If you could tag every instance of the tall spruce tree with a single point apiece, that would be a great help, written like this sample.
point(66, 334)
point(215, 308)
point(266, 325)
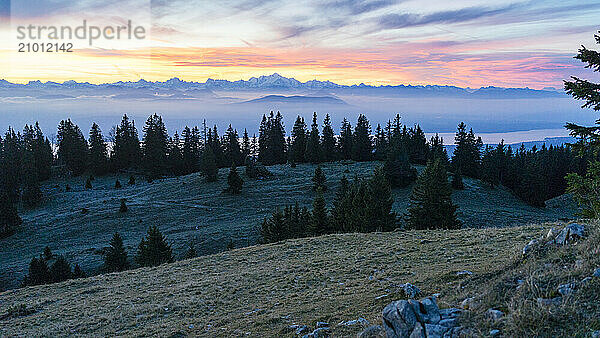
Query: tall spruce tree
point(319, 180)
point(98, 151)
point(246, 146)
point(39, 273)
point(233, 152)
point(10, 165)
point(209, 165)
point(585, 188)
point(115, 256)
point(398, 169)
point(328, 150)
point(9, 218)
point(431, 204)
point(467, 155)
point(298, 141)
point(191, 150)
point(313, 144)
point(126, 151)
point(319, 224)
point(72, 147)
point(379, 203)
point(155, 146)
point(154, 249)
point(361, 143)
point(60, 270)
point(175, 156)
point(346, 140)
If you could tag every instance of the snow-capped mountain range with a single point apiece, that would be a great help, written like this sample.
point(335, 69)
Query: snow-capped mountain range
point(276, 81)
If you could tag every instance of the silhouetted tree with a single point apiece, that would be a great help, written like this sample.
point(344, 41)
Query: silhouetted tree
point(154, 249)
point(98, 151)
point(9, 218)
point(431, 204)
point(115, 256)
point(298, 141)
point(313, 144)
point(345, 144)
point(467, 155)
point(319, 224)
point(361, 143)
point(72, 147)
point(234, 181)
point(319, 180)
point(126, 152)
point(38, 272)
point(155, 146)
point(209, 165)
point(60, 270)
point(123, 207)
point(398, 170)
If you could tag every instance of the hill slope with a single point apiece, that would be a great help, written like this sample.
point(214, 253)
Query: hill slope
point(262, 290)
point(189, 209)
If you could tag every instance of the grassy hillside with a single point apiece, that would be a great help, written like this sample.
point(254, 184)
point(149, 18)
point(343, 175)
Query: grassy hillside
point(189, 209)
point(261, 290)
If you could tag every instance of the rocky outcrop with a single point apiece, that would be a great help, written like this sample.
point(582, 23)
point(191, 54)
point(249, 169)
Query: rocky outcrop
point(419, 319)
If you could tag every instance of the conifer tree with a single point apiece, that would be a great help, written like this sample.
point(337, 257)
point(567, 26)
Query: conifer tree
point(98, 151)
point(190, 252)
point(381, 146)
point(379, 203)
point(246, 146)
point(457, 181)
point(209, 165)
point(582, 89)
point(273, 229)
point(154, 249)
point(234, 181)
point(131, 180)
point(417, 146)
point(319, 224)
point(328, 150)
point(341, 206)
point(123, 207)
point(155, 146)
point(319, 180)
point(361, 143)
point(32, 194)
point(47, 254)
point(437, 149)
point(191, 150)
point(346, 140)
point(467, 155)
point(88, 183)
point(10, 165)
point(115, 256)
point(233, 152)
point(78, 272)
point(313, 144)
point(117, 184)
point(397, 168)
point(39, 273)
point(175, 156)
point(298, 141)
point(126, 152)
point(9, 218)
point(431, 204)
point(60, 270)
point(72, 147)
point(585, 188)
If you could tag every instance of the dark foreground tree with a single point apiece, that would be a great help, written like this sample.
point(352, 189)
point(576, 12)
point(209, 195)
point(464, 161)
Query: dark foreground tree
point(209, 165)
point(586, 189)
point(234, 181)
point(154, 249)
point(78, 272)
point(38, 272)
point(60, 270)
point(115, 256)
point(319, 224)
point(398, 170)
point(319, 180)
point(431, 204)
point(9, 218)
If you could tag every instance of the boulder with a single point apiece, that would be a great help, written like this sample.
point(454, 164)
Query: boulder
point(570, 233)
point(436, 331)
point(410, 290)
point(450, 313)
point(530, 246)
point(418, 332)
point(495, 314)
point(494, 332)
point(597, 273)
point(399, 319)
point(566, 289)
point(426, 310)
point(450, 322)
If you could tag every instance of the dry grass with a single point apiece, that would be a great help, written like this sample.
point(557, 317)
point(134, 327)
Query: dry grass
point(577, 315)
point(261, 290)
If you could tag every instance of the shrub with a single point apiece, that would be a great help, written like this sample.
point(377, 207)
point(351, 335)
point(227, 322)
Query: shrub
point(60, 270)
point(319, 179)
point(123, 207)
point(117, 184)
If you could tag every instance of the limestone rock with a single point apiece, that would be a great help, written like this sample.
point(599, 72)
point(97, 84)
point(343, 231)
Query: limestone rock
point(570, 233)
point(566, 289)
point(495, 314)
point(549, 302)
point(399, 319)
point(530, 246)
point(418, 332)
point(597, 273)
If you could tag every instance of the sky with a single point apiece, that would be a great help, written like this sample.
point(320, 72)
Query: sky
point(464, 43)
